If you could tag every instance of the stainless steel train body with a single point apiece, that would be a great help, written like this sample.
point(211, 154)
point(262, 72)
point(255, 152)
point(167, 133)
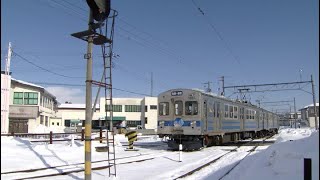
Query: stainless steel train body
point(197, 119)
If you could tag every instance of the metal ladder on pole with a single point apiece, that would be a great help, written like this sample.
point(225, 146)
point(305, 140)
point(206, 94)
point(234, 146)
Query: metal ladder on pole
point(111, 154)
point(108, 100)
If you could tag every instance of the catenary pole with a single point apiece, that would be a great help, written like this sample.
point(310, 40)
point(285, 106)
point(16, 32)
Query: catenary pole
point(314, 104)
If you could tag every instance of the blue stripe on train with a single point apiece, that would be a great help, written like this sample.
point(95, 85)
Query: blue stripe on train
point(230, 127)
point(185, 123)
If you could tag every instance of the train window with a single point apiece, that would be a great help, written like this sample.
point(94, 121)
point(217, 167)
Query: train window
point(164, 109)
point(235, 112)
point(191, 108)
point(226, 112)
point(178, 108)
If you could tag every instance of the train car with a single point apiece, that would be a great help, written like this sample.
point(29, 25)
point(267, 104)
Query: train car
point(197, 119)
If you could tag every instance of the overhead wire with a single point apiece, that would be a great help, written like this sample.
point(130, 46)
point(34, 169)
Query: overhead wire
point(40, 67)
point(83, 85)
point(213, 27)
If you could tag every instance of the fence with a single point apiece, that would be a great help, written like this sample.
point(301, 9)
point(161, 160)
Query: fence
point(51, 137)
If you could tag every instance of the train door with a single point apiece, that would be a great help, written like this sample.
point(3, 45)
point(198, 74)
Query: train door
point(241, 117)
point(178, 109)
point(205, 113)
point(219, 116)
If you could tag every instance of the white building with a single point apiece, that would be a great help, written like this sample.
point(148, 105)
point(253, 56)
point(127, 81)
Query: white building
point(307, 114)
point(127, 112)
point(29, 106)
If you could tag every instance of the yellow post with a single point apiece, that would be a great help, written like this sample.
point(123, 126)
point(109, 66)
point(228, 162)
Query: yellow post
point(132, 136)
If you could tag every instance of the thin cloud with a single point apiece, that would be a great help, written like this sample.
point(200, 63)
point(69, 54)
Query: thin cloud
point(63, 94)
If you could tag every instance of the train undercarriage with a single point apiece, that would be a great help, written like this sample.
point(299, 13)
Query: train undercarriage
point(194, 142)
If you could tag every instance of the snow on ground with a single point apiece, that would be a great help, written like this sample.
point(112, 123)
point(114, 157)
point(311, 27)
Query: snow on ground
point(282, 160)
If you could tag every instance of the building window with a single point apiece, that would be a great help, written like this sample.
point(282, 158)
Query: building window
point(57, 124)
point(67, 123)
point(116, 108)
point(153, 106)
point(41, 119)
point(30, 98)
point(133, 123)
point(133, 108)
point(18, 98)
point(146, 120)
point(46, 121)
point(145, 108)
point(52, 123)
point(41, 100)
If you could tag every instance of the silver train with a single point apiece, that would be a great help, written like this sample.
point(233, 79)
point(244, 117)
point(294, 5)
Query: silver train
point(197, 119)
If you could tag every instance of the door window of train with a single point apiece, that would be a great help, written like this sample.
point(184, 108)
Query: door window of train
point(235, 112)
point(191, 107)
point(226, 111)
point(214, 109)
point(164, 109)
point(231, 111)
point(247, 114)
point(218, 109)
point(178, 108)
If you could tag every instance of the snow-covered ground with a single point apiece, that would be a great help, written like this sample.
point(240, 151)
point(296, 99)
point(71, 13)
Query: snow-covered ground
point(282, 160)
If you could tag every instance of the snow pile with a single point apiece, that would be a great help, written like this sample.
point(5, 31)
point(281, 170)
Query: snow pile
point(282, 160)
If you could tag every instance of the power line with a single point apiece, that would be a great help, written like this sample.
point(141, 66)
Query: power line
point(83, 85)
point(217, 32)
point(47, 70)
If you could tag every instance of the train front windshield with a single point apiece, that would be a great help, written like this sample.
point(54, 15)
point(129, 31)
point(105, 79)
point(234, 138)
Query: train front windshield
point(191, 108)
point(164, 109)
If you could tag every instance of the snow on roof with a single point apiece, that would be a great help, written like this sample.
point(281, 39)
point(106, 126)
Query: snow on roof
point(77, 106)
point(311, 105)
point(34, 85)
point(26, 83)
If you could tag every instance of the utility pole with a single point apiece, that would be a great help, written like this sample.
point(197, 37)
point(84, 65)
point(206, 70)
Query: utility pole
point(295, 113)
point(259, 102)
point(8, 60)
point(222, 79)
point(151, 84)
point(314, 103)
point(99, 11)
point(5, 93)
point(88, 113)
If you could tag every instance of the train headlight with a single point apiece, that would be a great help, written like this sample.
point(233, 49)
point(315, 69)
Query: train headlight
point(161, 123)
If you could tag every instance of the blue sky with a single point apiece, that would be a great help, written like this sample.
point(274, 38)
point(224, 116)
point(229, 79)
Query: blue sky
point(254, 42)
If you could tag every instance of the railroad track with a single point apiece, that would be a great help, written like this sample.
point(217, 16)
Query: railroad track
point(74, 168)
point(257, 144)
